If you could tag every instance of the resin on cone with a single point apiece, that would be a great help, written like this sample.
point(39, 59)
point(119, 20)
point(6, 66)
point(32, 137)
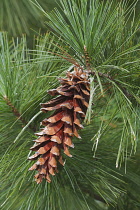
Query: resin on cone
point(69, 105)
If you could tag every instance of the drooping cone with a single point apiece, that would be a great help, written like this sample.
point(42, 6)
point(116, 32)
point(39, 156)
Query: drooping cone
point(69, 109)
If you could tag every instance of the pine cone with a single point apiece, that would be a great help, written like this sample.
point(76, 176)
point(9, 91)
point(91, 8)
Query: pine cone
point(69, 108)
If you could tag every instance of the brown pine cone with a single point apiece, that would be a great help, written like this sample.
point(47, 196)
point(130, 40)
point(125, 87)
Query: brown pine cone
point(69, 108)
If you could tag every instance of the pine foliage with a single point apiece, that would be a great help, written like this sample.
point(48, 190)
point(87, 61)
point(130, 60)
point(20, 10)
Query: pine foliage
point(102, 174)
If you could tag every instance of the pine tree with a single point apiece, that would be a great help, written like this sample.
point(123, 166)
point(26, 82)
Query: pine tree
point(98, 38)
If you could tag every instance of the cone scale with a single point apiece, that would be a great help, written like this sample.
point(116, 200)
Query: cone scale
point(69, 105)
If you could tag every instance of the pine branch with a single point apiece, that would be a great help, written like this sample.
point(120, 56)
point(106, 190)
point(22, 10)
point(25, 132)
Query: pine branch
point(17, 114)
point(87, 59)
